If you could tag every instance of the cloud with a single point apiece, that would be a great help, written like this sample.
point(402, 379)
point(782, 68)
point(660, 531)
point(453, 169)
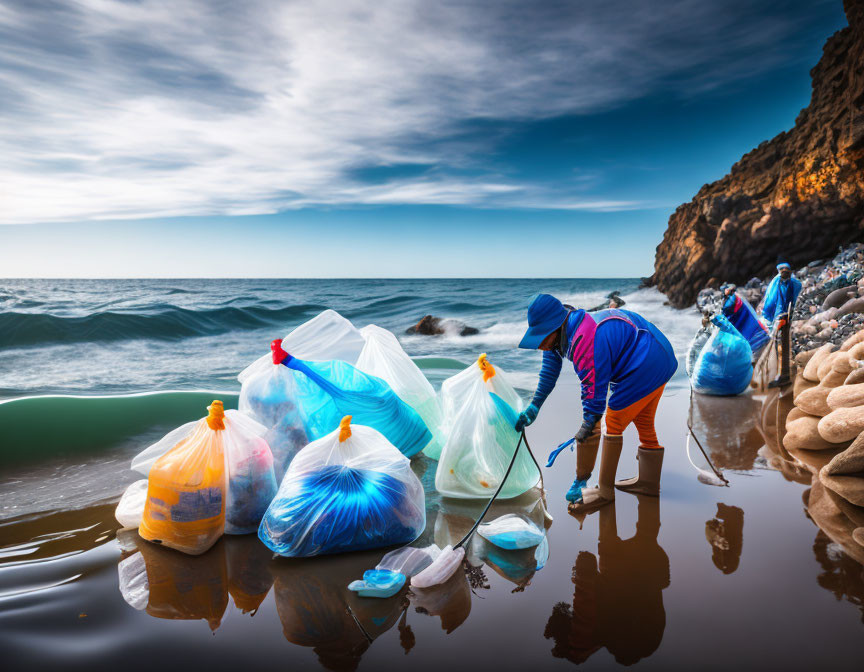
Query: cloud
point(154, 108)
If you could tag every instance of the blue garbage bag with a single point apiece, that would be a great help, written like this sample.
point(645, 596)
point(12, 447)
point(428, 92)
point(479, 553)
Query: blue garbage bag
point(328, 391)
point(350, 490)
point(720, 364)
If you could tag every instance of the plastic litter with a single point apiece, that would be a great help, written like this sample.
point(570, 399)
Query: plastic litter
point(512, 531)
point(326, 336)
point(268, 394)
point(328, 391)
point(441, 569)
point(378, 583)
point(723, 363)
point(131, 506)
point(217, 478)
point(409, 560)
point(480, 408)
point(350, 490)
point(383, 356)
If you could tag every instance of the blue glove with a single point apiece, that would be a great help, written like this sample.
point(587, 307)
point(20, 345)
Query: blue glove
point(526, 417)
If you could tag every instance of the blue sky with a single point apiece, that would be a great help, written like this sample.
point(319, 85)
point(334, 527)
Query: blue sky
point(389, 139)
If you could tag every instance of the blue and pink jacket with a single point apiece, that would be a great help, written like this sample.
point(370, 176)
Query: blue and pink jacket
point(743, 318)
point(613, 349)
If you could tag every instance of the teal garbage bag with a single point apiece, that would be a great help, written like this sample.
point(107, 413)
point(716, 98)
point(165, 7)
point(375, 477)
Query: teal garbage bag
point(328, 391)
point(722, 364)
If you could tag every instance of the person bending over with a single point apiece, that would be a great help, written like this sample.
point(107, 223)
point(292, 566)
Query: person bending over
point(611, 349)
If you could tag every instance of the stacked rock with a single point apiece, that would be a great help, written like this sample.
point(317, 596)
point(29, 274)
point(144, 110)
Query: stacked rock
point(825, 431)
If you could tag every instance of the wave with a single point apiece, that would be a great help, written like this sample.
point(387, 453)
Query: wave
point(164, 323)
point(35, 428)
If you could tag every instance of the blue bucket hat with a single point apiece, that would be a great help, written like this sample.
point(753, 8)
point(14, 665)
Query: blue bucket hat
point(545, 315)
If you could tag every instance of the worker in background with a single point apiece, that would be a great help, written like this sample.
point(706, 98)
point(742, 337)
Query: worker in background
point(611, 349)
point(742, 316)
point(777, 310)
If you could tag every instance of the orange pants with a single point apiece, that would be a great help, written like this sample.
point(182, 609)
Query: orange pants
point(641, 413)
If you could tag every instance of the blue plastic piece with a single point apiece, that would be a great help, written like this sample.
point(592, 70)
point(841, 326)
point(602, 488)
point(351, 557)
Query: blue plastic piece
point(328, 391)
point(723, 366)
point(554, 454)
point(574, 494)
point(337, 509)
point(378, 583)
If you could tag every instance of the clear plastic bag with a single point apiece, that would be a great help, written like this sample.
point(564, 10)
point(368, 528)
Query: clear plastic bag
point(383, 356)
point(326, 336)
point(268, 394)
point(350, 490)
point(480, 410)
point(131, 506)
point(441, 569)
point(512, 531)
point(409, 560)
point(723, 365)
point(328, 391)
point(217, 478)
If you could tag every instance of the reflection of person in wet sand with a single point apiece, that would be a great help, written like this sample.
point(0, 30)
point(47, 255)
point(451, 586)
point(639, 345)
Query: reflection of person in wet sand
point(725, 534)
point(618, 596)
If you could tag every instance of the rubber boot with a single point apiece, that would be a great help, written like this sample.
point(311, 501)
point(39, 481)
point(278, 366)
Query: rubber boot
point(648, 480)
point(586, 457)
point(594, 498)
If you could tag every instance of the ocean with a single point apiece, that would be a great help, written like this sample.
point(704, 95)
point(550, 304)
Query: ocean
point(110, 337)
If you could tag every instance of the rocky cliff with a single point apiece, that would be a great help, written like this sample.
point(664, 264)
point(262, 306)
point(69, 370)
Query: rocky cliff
point(800, 194)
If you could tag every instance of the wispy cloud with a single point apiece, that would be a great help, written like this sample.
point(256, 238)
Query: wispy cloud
point(148, 108)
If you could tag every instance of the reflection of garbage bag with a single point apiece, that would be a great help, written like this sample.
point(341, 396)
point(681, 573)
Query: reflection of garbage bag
point(188, 504)
point(516, 565)
point(348, 491)
point(384, 357)
point(451, 601)
point(326, 336)
point(480, 408)
point(249, 578)
point(313, 603)
point(722, 365)
point(268, 394)
point(174, 586)
point(328, 391)
point(725, 534)
point(728, 429)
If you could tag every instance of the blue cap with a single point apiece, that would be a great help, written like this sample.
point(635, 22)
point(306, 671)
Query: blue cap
point(782, 265)
point(545, 315)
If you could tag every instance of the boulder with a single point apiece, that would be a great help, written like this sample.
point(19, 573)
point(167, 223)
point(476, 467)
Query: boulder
point(856, 352)
point(800, 384)
point(855, 376)
point(846, 396)
point(851, 306)
point(826, 365)
point(858, 536)
point(842, 424)
point(832, 521)
point(430, 325)
point(814, 401)
point(844, 474)
point(816, 360)
point(794, 414)
point(803, 357)
point(840, 296)
point(854, 339)
point(842, 363)
point(803, 434)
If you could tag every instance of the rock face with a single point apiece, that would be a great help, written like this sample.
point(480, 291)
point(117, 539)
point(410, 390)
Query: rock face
point(800, 194)
point(430, 325)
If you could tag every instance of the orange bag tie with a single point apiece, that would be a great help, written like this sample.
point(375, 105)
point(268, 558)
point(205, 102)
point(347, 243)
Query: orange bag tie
point(216, 417)
point(345, 429)
point(487, 369)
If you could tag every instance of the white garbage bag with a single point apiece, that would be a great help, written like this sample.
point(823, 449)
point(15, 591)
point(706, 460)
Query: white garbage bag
point(480, 410)
point(131, 506)
point(326, 336)
point(512, 531)
point(383, 356)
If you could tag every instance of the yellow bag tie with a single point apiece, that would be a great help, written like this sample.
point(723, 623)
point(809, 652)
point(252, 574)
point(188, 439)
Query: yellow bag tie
point(345, 429)
point(216, 417)
point(487, 369)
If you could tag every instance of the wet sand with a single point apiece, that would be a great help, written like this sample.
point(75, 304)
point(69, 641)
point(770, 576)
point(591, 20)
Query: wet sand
point(706, 577)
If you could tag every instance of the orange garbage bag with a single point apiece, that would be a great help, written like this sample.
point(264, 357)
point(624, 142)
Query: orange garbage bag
point(185, 506)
